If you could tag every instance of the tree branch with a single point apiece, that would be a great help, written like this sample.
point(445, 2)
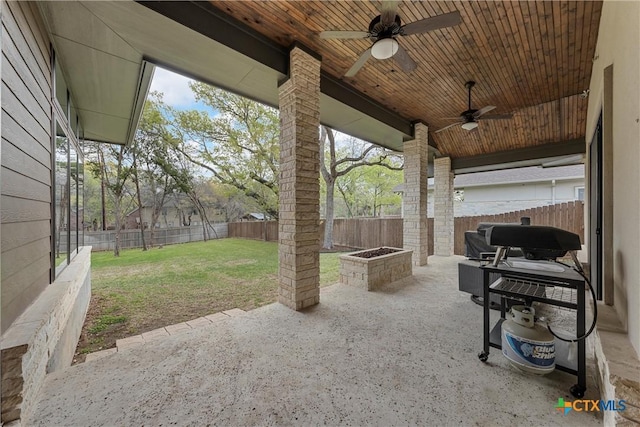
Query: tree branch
point(323, 166)
point(356, 159)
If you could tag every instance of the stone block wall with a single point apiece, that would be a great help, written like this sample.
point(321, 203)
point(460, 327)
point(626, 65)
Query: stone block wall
point(617, 370)
point(43, 339)
point(299, 222)
point(414, 199)
point(443, 220)
point(372, 273)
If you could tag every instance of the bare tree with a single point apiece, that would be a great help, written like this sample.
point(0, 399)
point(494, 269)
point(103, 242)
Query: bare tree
point(332, 168)
point(112, 165)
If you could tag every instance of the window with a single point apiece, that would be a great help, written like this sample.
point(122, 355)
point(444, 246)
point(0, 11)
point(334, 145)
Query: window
point(67, 176)
point(61, 203)
point(61, 94)
point(73, 199)
point(73, 119)
point(579, 191)
point(81, 224)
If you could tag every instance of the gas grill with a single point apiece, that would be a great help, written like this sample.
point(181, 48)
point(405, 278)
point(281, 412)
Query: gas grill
point(537, 278)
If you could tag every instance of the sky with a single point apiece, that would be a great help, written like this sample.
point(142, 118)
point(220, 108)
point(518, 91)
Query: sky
point(176, 90)
point(177, 94)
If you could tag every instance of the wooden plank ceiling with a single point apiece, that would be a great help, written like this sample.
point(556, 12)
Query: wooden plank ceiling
point(529, 58)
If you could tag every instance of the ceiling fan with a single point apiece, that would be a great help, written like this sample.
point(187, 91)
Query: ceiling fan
point(469, 118)
point(384, 30)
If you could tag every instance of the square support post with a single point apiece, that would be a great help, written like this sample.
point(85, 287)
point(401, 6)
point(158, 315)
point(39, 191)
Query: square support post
point(299, 215)
point(443, 223)
point(414, 199)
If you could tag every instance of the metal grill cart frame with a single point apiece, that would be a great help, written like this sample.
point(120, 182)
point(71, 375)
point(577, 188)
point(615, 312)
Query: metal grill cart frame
point(561, 289)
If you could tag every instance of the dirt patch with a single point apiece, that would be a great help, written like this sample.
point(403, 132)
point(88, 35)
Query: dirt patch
point(92, 339)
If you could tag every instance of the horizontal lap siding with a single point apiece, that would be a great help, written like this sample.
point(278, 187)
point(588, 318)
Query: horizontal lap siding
point(25, 200)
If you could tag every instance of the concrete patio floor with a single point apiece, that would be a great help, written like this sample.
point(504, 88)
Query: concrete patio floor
point(406, 355)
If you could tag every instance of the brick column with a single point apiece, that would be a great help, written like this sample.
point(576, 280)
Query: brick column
point(299, 216)
point(414, 200)
point(443, 207)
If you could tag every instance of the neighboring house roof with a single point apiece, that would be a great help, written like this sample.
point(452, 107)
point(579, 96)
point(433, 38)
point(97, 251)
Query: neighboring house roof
point(512, 176)
point(255, 215)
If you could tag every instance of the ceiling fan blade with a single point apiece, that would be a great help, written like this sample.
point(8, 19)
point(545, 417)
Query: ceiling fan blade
point(359, 63)
point(447, 127)
point(403, 59)
point(433, 23)
point(484, 110)
point(388, 11)
point(497, 117)
point(344, 34)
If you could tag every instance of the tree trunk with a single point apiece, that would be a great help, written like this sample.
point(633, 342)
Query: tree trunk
point(116, 208)
point(203, 215)
point(328, 224)
point(135, 176)
point(155, 214)
point(102, 189)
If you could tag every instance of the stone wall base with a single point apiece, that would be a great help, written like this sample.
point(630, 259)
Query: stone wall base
point(618, 368)
point(44, 338)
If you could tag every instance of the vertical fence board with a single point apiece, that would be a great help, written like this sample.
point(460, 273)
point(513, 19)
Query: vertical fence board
point(375, 232)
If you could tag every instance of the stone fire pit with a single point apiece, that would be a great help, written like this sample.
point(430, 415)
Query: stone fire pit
point(371, 268)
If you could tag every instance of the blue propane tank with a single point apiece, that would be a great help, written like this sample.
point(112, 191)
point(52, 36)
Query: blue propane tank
point(528, 346)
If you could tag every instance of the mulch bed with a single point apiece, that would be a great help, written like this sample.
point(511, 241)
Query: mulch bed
point(375, 252)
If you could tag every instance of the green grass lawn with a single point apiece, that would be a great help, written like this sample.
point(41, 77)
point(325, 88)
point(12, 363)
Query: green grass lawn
point(141, 291)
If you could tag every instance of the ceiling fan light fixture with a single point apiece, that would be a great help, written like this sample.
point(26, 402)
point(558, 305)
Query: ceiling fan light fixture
point(470, 125)
point(384, 48)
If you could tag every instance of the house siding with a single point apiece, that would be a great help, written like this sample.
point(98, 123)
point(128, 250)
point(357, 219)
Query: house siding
point(496, 199)
point(618, 47)
point(25, 172)
point(40, 320)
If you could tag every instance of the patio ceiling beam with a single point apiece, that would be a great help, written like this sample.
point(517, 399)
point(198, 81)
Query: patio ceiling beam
point(205, 19)
point(347, 94)
point(545, 151)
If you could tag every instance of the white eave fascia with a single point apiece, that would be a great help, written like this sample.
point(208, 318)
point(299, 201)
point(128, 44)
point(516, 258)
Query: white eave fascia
point(144, 83)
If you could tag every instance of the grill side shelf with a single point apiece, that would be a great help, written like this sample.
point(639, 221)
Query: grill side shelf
point(518, 288)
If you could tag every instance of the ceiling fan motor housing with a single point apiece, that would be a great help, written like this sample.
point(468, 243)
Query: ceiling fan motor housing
point(468, 115)
point(380, 31)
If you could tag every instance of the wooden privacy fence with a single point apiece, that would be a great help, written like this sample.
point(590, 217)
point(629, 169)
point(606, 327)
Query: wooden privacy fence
point(350, 232)
point(567, 216)
point(374, 232)
point(366, 232)
point(255, 230)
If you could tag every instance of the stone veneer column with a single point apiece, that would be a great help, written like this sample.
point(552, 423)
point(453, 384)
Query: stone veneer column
point(299, 216)
point(414, 200)
point(443, 207)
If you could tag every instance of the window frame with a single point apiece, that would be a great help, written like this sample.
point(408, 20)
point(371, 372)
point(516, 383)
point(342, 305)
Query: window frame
point(71, 125)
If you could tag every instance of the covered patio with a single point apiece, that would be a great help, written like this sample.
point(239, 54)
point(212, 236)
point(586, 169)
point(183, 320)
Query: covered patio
point(339, 355)
point(404, 355)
